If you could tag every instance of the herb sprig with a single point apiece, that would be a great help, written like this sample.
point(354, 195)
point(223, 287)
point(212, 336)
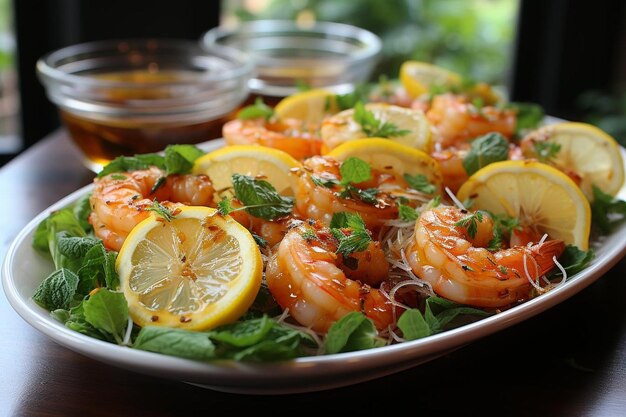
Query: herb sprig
point(374, 127)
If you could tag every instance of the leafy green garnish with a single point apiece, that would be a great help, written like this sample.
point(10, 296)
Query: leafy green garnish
point(374, 127)
point(368, 195)
point(349, 100)
point(353, 331)
point(107, 311)
point(323, 182)
point(57, 290)
point(407, 213)
point(420, 183)
point(573, 260)
point(529, 115)
point(161, 210)
point(503, 225)
point(546, 150)
point(256, 111)
point(354, 170)
point(175, 342)
point(492, 147)
point(606, 212)
point(256, 339)
point(177, 159)
point(47, 233)
point(470, 223)
point(225, 207)
point(349, 229)
point(260, 198)
point(438, 314)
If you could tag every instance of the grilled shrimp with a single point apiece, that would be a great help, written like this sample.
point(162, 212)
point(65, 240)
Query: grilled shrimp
point(455, 119)
point(459, 267)
point(320, 202)
point(119, 201)
point(308, 277)
point(296, 137)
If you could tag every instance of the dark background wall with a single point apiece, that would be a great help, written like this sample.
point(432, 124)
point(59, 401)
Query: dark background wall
point(45, 25)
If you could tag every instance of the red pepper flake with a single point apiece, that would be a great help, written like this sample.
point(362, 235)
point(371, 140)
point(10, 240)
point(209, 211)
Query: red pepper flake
point(154, 318)
point(184, 319)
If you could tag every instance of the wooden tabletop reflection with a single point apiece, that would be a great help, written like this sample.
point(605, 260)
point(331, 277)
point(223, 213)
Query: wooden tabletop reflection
point(570, 360)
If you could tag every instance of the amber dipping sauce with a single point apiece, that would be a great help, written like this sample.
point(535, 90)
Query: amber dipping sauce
point(103, 137)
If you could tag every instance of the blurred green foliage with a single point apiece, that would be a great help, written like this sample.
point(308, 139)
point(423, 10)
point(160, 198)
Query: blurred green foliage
point(606, 111)
point(471, 37)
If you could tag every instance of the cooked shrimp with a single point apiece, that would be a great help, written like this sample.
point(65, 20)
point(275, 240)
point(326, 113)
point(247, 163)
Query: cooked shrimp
point(296, 137)
point(451, 162)
point(460, 268)
point(455, 119)
point(308, 277)
point(119, 200)
point(273, 231)
point(320, 202)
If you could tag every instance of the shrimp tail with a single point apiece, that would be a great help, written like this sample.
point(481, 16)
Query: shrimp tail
point(546, 252)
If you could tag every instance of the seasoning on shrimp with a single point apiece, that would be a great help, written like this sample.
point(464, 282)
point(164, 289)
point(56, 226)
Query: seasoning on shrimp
point(120, 201)
point(448, 250)
point(307, 276)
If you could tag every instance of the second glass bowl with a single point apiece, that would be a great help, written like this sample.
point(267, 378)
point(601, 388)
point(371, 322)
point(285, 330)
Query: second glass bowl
point(287, 54)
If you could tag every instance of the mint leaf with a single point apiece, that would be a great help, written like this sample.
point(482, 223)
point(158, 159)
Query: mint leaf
point(407, 213)
point(546, 150)
point(161, 210)
point(413, 325)
point(529, 115)
point(256, 111)
point(225, 207)
point(76, 321)
point(573, 260)
point(354, 170)
point(354, 331)
point(487, 149)
point(132, 163)
point(260, 198)
point(243, 333)
point(349, 230)
point(175, 342)
point(179, 159)
point(280, 343)
point(374, 127)
point(57, 290)
point(82, 210)
point(420, 183)
point(349, 101)
point(107, 311)
point(97, 270)
point(606, 212)
point(470, 223)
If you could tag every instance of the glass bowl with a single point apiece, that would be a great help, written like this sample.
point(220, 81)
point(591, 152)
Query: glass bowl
point(287, 54)
point(122, 97)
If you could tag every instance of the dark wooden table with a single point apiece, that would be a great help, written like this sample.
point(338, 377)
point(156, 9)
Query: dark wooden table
point(568, 361)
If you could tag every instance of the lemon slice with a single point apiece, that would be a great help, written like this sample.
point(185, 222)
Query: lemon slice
point(586, 152)
point(537, 194)
point(418, 77)
point(342, 127)
point(386, 155)
point(311, 106)
point(270, 164)
point(197, 271)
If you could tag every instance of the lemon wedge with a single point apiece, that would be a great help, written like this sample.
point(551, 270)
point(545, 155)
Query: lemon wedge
point(386, 155)
point(196, 271)
point(342, 127)
point(583, 151)
point(270, 164)
point(535, 193)
point(418, 77)
point(311, 106)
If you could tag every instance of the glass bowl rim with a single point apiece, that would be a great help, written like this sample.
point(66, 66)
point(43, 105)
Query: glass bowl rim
point(46, 68)
point(371, 41)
